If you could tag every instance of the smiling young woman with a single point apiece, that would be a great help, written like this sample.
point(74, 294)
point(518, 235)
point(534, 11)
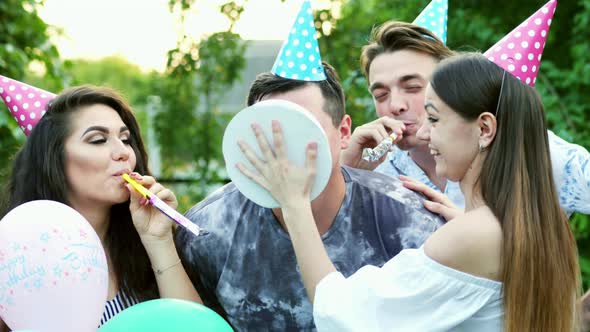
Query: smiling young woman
point(75, 155)
point(509, 263)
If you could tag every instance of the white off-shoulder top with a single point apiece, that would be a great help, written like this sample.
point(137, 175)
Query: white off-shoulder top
point(411, 292)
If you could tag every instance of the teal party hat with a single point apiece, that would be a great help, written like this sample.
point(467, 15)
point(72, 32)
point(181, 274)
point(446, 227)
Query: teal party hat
point(299, 58)
point(434, 18)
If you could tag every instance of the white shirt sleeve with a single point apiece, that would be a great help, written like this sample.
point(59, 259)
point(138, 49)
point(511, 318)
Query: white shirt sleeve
point(571, 172)
point(411, 292)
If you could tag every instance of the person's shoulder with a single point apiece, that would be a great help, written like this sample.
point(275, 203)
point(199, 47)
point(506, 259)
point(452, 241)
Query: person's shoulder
point(219, 215)
point(471, 243)
point(221, 211)
point(386, 167)
point(560, 147)
point(224, 196)
point(384, 187)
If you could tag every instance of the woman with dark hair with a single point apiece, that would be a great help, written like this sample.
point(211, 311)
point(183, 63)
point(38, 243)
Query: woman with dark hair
point(75, 155)
point(508, 263)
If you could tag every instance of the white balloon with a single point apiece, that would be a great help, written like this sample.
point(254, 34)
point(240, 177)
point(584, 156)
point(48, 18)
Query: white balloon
point(53, 269)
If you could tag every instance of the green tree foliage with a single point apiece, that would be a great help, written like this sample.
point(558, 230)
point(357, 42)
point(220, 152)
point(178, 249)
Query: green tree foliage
point(114, 72)
point(117, 73)
point(190, 126)
point(24, 39)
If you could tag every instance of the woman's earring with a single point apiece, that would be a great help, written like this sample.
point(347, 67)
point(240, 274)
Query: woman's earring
point(481, 147)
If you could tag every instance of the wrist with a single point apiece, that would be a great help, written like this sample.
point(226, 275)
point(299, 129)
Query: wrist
point(296, 206)
point(159, 270)
point(164, 261)
point(157, 241)
point(299, 217)
point(160, 248)
point(352, 157)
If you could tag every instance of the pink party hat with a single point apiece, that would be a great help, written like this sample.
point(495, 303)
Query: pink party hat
point(520, 51)
point(26, 103)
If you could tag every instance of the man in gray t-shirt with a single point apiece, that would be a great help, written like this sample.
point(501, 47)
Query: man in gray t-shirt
point(246, 267)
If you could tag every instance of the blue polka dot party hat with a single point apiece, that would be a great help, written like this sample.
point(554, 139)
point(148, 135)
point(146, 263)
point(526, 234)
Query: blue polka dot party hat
point(434, 18)
point(299, 58)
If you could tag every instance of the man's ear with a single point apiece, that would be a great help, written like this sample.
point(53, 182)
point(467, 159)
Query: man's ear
point(345, 131)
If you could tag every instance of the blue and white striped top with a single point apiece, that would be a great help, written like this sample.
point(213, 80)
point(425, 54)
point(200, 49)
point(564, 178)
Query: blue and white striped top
point(116, 305)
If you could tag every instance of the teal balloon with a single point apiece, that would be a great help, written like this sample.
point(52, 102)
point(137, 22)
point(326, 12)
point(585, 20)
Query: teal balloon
point(169, 315)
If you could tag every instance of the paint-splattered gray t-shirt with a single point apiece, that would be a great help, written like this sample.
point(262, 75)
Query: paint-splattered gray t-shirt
point(247, 264)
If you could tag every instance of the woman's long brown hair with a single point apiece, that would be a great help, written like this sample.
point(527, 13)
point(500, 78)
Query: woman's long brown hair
point(39, 173)
point(539, 267)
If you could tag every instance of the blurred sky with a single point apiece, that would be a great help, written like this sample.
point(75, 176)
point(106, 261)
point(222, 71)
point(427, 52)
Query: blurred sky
point(142, 31)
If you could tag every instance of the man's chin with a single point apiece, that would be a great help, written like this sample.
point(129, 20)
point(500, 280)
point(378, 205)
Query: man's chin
point(402, 146)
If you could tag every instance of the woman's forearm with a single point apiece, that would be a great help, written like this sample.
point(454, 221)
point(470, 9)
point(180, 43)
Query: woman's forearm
point(172, 279)
point(311, 254)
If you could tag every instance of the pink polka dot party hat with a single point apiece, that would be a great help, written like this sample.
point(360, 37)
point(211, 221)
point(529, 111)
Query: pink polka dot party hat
point(520, 51)
point(26, 103)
